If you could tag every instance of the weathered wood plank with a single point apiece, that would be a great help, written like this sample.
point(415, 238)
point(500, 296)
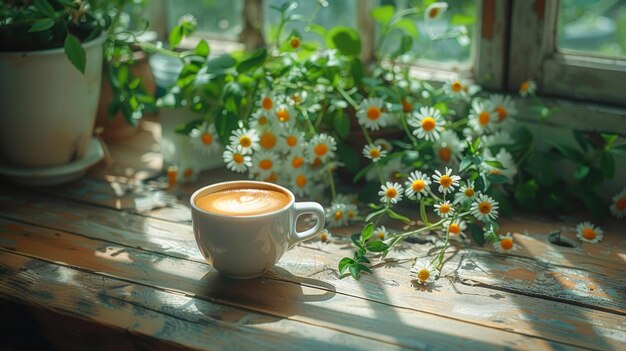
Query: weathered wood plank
point(122, 315)
point(314, 302)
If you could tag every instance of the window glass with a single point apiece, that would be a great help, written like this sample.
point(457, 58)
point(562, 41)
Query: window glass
point(218, 18)
point(444, 36)
point(592, 26)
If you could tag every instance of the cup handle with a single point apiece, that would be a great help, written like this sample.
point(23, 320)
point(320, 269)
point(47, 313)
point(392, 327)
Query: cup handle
point(300, 208)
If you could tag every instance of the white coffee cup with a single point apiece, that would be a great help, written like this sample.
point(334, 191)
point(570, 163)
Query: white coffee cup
point(245, 247)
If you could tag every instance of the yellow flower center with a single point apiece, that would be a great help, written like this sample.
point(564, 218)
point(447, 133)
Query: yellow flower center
point(316, 163)
point(320, 149)
point(506, 243)
point(267, 103)
point(207, 139)
point(324, 237)
point(423, 274)
point(295, 42)
point(350, 214)
point(373, 113)
point(444, 208)
point(268, 140)
point(445, 153)
point(301, 180)
point(283, 115)
point(391, 193)
point(406, 106)
point(502, 113)
point(374, 153)
point(418, 185)
point(238, 158)
point(262, 120)
point(296, 99)
point(454, 229)
point(381, 235)
point(445, 181)
point(524, 86)
point(188, 172)
point(338, 215)
point(469, 192)
point(456, 86)
point(292, 140)
point(589, 233)
point(428, 124)
point(484, 207)
point(495, 171)
point(245, 141)
point(621, 204)
point(433, 12)
point(272, 178)
point(297, 162)
point(483, 118)
point(266, 164)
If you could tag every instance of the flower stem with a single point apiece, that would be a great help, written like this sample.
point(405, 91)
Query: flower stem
point(332, 184)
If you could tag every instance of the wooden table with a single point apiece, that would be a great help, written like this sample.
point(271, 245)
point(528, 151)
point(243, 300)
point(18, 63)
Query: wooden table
point(110, 262)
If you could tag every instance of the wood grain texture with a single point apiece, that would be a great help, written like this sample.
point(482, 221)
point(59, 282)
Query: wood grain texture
point(78, 310)
point(313, 302)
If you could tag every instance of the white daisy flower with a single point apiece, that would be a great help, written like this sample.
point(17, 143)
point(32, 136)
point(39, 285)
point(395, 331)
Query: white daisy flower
point(435, 10)
point(392, 168)
point(390, 192)
point(247, 139)
point(589, 233)
point(380, 233)
point(618, 207)
point(509, 168)
point(428, 123)
point(447, 182)
point(268, 138)
point(374, 152)
point(371, 114)
point(263, 164)
point(384, 145)
point(444, 209)
point(237, 159)
point(455, 228)
point(268, 102)
point(352, 211)
point(481, 117)
point(449, 147)
point(505, 243)
point(503, 106)
point(187, 172)
point(498, 138)
point(323, 146)
point(466, 193)
point(337, 215)
point(205, 139)
point(297, 98)
point(325, 236)
point(295, 161)
point(456, 88)
point(484, 208)
point(188, 19)
point(291, 139)
point(528, 87)
point(417, 185)
point(272, 177)
point(301, 183)
point(285, 116)
point(424, 271)
point(260, 120)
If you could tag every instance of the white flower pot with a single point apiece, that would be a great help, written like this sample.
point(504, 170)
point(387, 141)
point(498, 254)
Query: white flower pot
point(48, 106)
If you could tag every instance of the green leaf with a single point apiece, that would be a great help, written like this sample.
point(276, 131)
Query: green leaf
point(406, 43)
point(608, 165)
point(316, 28)
point(409, 27)
point(225, 123)
point(477, 234)
point(122, 75)
point(41, 25)
point(186, 128)
point(44, 7)
point(75, 52)
point(398, 216)
point(344, 264)
point(175, 36)
point(202, 48)
point(356, 240)
point(367, 232)
point(581, 172)
point(364, 268)
point(374, 214)
point(569, 152)
point(383, 14)
point(462, 20)
point(466, 162)
point(496, 164)
point(220, 63)
point(581, 140)
point(497, 178)
point(442, 107)
point(609, 138)
point(341, 122)
point(618, 150)
point(345, 39)
point(376, 246)
point(355, 271)
point(254, 61)
point(350, 158)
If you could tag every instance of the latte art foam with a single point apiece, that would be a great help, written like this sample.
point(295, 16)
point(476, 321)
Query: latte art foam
point(243, 202)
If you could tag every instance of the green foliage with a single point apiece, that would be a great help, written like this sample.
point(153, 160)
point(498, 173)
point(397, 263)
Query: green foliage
point(75, 52)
